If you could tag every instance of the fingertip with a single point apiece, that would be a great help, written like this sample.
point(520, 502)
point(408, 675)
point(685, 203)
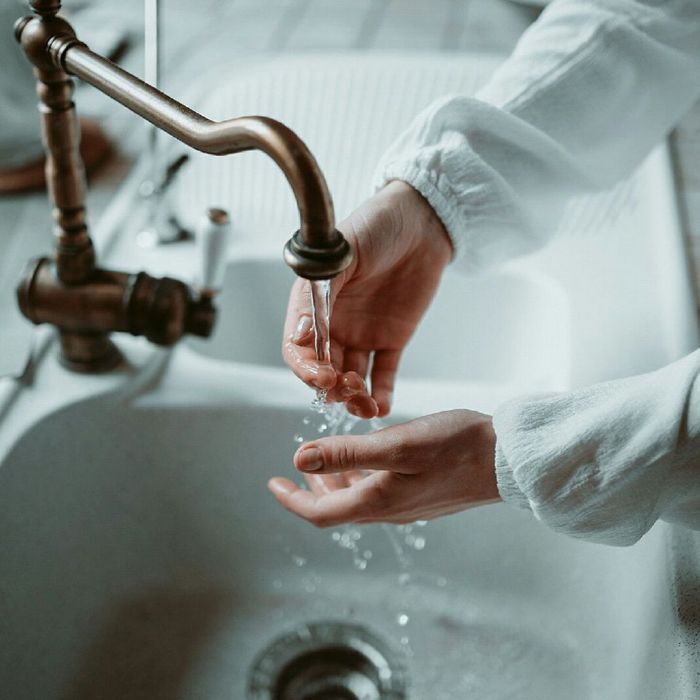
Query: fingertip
point(363, 407)
point(280, 487)
point(352, 382)
point(326, 377)
point(384, 401)
point(303, 363)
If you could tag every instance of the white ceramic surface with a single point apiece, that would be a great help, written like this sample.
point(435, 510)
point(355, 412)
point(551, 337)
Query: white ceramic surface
point(141, 556)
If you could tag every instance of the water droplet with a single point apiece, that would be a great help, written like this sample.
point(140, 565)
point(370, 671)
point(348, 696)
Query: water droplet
point(335, 536)
point(419, 543)
point(318, 405)
point(299, 561)
point(367, 554)
point(306, 420)
point(322, 428)
point(298, 439)
point(361, 564)
point(405, 641)
point(402, 619)
point(404, 578)
point(421, 523)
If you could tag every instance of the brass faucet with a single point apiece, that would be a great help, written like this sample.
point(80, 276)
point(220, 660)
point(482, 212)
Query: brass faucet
point(87, 303)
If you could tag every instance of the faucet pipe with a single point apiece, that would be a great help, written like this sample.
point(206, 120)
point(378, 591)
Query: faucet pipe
point(317, 250)
point(87, 303)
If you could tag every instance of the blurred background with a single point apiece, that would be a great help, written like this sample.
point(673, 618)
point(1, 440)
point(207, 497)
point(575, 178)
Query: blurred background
point(198, 39)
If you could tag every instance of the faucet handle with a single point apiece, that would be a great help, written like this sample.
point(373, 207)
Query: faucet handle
point(213, 236)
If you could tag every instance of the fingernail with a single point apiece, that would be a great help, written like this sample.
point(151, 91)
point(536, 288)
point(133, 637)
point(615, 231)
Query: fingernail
point(310, 459)
point(302, 329)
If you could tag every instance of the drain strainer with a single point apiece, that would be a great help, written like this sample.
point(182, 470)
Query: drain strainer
point(328, 661)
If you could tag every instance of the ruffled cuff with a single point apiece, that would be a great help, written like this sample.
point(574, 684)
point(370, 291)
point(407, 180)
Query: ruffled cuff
point(481, 169)
point(481, 237)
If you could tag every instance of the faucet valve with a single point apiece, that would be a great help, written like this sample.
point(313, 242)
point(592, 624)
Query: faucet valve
point(213, 235)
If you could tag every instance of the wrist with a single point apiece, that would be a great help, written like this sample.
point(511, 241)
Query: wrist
point(486, 459)
point(416, 212)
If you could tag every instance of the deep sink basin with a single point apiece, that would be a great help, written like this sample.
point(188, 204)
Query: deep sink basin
point(143, 558)
point(513, 330)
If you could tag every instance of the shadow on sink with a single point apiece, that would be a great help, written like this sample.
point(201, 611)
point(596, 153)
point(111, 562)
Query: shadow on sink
point(147, 646)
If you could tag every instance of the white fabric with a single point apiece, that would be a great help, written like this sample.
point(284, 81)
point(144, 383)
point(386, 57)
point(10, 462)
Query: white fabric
point(589, 90)
point(605, 462)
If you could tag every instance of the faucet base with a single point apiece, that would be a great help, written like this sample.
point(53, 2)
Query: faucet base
point(88, 353)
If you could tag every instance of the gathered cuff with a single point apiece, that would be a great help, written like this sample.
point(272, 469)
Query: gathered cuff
point(479, 239)
point(421, 181)
point(507, 486)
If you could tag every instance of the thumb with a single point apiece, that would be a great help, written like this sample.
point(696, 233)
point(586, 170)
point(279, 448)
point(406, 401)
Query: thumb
point(382, 450)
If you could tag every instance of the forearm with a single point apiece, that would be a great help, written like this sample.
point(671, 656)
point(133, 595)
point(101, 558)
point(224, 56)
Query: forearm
point(589, 90)
point(605, 462)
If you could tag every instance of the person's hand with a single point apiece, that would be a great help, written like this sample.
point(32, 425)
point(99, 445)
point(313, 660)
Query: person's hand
point(432, 466)
point(400, 251)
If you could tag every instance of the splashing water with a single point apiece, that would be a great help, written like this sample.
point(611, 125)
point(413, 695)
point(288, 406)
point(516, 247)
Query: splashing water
point(333, 419)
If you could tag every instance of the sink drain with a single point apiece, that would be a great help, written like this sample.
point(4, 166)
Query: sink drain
point(327, 661)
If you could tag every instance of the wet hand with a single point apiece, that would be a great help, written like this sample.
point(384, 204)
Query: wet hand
point(400, 251)
point(432, 466)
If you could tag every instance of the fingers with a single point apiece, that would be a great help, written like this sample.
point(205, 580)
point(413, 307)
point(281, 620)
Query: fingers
point(326, 483)
point(380, 497)
point(298, 347)
point(380, 451)
point(353, 389)
point(384, 367)
point(350, 388)
point(356, 361)
point(300, 355)
point(369, 498)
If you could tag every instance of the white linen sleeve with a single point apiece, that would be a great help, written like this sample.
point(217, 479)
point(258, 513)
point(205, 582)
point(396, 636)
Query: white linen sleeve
point(588, 91)
point(605, 462)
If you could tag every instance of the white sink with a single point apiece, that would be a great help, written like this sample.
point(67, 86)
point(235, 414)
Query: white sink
point(144, 559)
point(141, 555)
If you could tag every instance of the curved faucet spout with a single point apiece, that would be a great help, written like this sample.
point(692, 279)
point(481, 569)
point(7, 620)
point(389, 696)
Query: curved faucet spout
point(87, 303)
point(318, 250)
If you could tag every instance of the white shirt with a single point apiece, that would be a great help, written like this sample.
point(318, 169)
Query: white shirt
point(592, 86)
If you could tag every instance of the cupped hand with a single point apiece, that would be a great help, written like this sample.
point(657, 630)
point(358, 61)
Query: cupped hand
point(432, 466)
point(400, 251)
